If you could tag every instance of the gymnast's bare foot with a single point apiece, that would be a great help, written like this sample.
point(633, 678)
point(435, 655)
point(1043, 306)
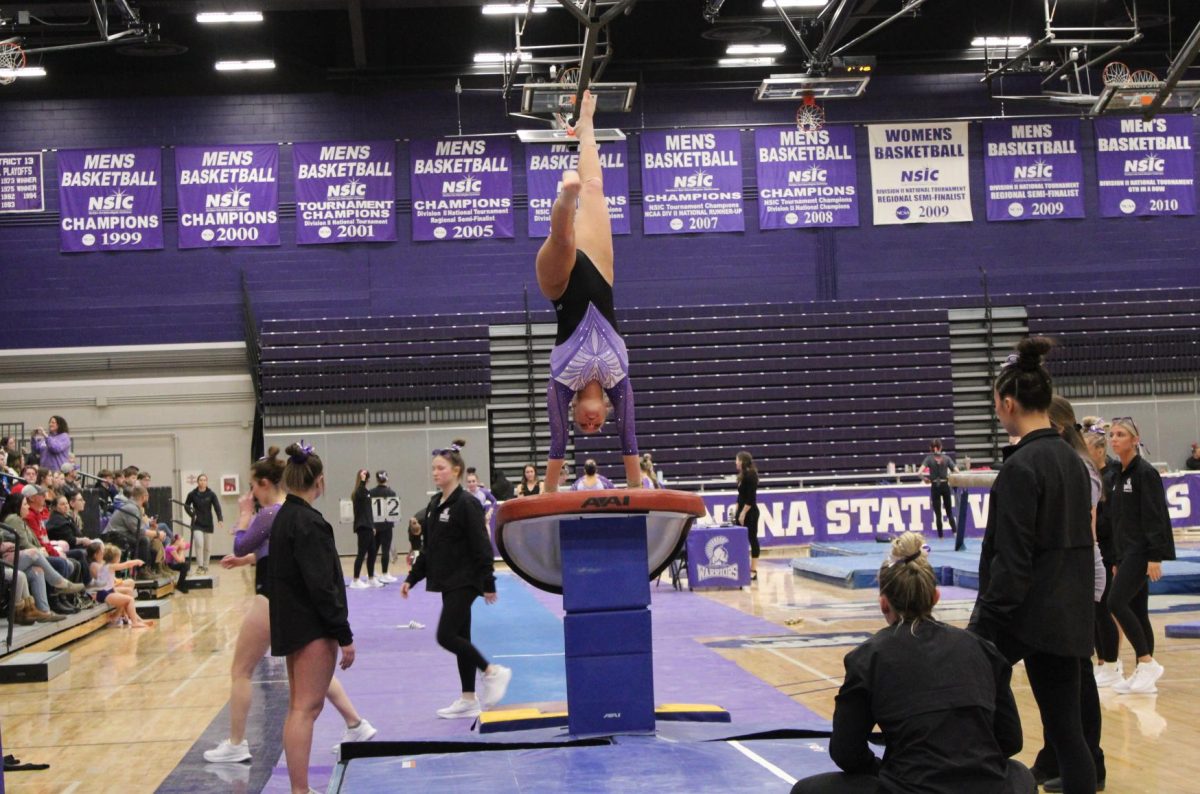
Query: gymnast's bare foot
point(587, 109)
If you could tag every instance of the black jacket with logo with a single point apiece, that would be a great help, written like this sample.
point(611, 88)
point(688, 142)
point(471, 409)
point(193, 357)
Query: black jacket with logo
point(457, 551)
point(1141, 523)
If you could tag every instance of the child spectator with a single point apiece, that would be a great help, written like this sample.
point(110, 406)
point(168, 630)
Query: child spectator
point(107, 589)
point(175, 558)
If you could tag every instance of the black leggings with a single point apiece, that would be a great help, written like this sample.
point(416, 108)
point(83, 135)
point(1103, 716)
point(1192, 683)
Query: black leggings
point(1089, 705)
point(85, 570)
point(454, 634)
point(940, 492)
point(1056, 688)
point(366, 549)
point(182, 568)
point(1108, 638)
point(1129, 600)
point(383, 546)
point(1020, 781)
point(752, 530)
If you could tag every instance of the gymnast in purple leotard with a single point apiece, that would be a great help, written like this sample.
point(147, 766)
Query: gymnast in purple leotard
point(589, 366)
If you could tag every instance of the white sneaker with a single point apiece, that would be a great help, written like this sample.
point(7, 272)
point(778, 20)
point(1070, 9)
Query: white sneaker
point(374, 582)
point(1109, 674)
point(493, 685)
point(359, 584)
point(363, 732)
point(228, 753)
point(412, 624)
point(387, 578)
point(1142, 680)
point(460, 709)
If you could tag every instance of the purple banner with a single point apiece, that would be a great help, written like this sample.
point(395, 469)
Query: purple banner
point(544, 166)
point(462, 189)
point(1033, 169)
point(1145, 167)
point(790, 517)
point(110, 199)
point(806, 179)
point(228, 195)
point(21, 186)
point(692, 182)
point(345, 192)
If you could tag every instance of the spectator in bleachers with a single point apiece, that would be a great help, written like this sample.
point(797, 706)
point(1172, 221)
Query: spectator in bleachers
point(134, 533)
point(1036, 575)
point(485, 497)
point(107, 589)
point(70, 484)
point(201, 503)
point(175, 558)
point(935, 470)
point(54, 448)
point(501, 488)
point(530, 485)
point(61, 529)
point(648, 457)
point(33, 605)
point(592, 479)
point(939, 737)
point(746, 512)
point(647, 468)
point(383, 529)
point(28, 552)
point(105, 490)
point(143, 479)
point(8, 445)
point(1193, 461)
point(35, 520)
point(364, 533)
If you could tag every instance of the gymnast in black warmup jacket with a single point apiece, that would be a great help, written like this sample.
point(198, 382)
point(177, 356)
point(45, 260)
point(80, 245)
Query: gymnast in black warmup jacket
point(940, 695)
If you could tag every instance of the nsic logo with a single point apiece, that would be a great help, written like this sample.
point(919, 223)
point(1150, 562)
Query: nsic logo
point(921, 175)
point(1150, 164)
point(1038, 170)
point(234, 198)
point(116, 202)
point(812, 175)
point(468, 186)
point(698, 179)
point(351, 189)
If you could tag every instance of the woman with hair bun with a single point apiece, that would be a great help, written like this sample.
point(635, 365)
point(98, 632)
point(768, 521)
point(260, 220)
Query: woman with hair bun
point(252, 546)
point(1036, 576)
point(309, 619)
point(457, 562)
point(943, 734)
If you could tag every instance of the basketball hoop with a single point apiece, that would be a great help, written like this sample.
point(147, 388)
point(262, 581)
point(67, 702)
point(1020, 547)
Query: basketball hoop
point(12, 59)
point(1143, 77)
point(810, 116)
point(1115, 72)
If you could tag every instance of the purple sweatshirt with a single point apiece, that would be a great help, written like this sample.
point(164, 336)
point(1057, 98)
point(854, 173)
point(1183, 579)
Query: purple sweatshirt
point(54, 450)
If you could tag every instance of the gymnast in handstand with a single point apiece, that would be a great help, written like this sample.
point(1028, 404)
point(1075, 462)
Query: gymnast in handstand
point(589, 366)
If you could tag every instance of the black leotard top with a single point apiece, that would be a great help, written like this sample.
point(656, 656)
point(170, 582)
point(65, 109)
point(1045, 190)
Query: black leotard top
point(586, 285)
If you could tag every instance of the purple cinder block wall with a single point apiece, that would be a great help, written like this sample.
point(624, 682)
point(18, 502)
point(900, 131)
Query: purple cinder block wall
point(195, 295)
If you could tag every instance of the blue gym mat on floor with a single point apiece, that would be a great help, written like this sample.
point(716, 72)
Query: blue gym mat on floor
point(623, 763)
point(1189, 631)
point(855, 564)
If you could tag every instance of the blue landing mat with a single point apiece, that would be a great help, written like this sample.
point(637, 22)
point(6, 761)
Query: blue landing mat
point(629, 763)
point(1178, 577)
point(856, 565)
point(1184, 630)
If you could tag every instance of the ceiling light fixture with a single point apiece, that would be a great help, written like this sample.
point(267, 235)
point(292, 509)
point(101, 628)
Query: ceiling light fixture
point(226, 17)
point(245, 66)
point(745, 61)
point(795, 3)
point(24, 71)
point(510, 9)
point(756, 49)
point(496, 57)
point(1001, 41)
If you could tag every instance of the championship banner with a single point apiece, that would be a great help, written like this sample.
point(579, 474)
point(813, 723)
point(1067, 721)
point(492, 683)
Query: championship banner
point(919, 173)
point(110, 199)
point(228, 195)
point(1033, 169)
point(544, 166)
point(462, 189)
point(1145, 167)
point(806, 179)
point(818, 515)
point(692, 182)
point(345, 192)
point(22, 188)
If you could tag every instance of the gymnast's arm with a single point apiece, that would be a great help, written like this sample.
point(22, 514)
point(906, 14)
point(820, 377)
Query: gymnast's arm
point(621, 397)
point(558, 409)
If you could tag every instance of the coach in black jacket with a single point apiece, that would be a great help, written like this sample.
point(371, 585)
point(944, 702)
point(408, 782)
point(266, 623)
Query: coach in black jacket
point(1036, 574)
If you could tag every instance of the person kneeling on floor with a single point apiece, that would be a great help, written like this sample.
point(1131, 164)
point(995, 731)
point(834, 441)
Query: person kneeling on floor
point(940, 695)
